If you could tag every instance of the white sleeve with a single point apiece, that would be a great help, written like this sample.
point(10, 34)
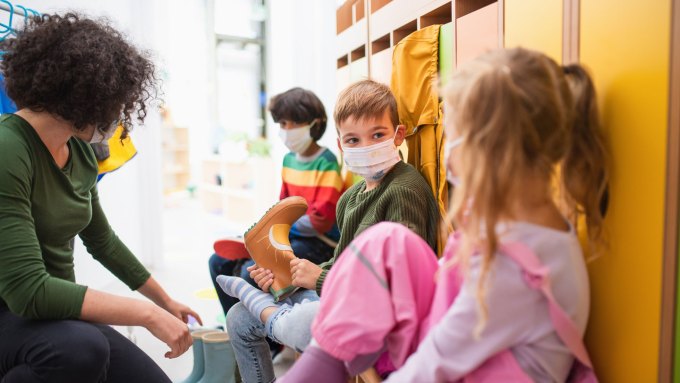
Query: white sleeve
point(450, 350)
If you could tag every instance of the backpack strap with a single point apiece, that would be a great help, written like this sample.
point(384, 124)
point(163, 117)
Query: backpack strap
point(537, 276)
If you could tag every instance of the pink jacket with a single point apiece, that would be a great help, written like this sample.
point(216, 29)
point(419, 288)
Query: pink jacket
point(393, 271)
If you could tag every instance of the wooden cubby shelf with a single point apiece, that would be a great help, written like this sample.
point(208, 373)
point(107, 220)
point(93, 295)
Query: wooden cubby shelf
point(441, 16)
point(404, 31)
point(380, 44)
point(463, 7)
point(343, 61)
point(358, 53)
point(377, 4)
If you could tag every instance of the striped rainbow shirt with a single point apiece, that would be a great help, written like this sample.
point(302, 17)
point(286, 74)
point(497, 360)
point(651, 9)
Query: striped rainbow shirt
point(317, 179)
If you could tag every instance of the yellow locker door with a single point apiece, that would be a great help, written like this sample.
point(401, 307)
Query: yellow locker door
point(534, 24)
point(625, 44)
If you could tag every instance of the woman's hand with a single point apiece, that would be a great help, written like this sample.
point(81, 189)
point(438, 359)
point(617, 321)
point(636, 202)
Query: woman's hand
point(152, 290)
point(166, 317)
point(170, 330)
point(263, 277)
point(305, 273)
point(181, 311)
point(101, 307)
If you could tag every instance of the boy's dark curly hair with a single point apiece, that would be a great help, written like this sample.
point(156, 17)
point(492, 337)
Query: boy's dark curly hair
point(79, 69)
point(300, 106)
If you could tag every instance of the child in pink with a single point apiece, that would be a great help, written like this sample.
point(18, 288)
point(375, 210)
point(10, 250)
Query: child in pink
point(509, 300)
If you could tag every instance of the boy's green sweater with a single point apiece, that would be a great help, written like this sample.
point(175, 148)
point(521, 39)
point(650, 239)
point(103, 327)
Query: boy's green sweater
point(403, 196)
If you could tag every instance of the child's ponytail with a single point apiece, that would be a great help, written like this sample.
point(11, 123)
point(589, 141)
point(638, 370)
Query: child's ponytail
point(584, 168)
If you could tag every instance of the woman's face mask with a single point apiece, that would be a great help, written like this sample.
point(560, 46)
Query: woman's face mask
point(98, 136)
point(374, 161)
point(448, 148)
point(297, 140)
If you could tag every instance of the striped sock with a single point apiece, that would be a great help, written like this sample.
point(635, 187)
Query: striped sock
point(253, 298)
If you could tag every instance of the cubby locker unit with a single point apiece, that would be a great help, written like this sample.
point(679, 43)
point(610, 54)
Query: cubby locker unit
point(241, 191)
point(175, 144)
point(368, 31)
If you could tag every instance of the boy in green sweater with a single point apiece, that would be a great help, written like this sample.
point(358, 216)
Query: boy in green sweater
point(369, 136)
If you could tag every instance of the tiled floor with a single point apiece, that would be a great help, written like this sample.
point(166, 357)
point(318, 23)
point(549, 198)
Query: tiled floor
point(189, 233)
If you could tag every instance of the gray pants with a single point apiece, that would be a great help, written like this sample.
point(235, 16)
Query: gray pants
point(291, 325)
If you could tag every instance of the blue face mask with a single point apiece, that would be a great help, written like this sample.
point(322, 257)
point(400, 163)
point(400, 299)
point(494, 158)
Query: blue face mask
point(448, 148)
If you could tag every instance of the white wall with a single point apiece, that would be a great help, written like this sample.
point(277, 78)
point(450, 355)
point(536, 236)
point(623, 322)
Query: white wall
point(301, 52)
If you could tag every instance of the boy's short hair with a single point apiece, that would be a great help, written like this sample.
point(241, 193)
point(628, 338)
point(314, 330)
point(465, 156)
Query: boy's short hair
point(300, 106)
point(365, 98)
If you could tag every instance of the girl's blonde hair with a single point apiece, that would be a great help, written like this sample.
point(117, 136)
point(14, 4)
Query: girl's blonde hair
point(518, 111)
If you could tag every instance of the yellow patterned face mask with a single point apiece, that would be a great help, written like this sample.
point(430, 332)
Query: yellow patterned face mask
point(120, 152)
point(374, 161)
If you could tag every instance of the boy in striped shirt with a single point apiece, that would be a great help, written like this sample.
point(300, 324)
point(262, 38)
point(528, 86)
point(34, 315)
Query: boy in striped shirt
point(310, 171)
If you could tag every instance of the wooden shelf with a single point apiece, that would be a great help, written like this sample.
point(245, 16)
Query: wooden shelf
point(245, 190)
point(343, 16)
point(175, 157)
point(440, 15)
point(377, 4)
point(463, 7)
point(358, 53)
point(351, 38)
point(381, 44)
point(359, 10)
point(404, 31)
point(343, 61)
point(395, 13)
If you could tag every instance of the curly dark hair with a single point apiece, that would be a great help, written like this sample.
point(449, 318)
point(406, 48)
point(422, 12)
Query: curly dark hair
point(300, 106)
point(79, 69)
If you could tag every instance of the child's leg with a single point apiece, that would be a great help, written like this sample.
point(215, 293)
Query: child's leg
point(254, 299)
point(378, 293)
point(248, 338)
point(312, 365)
point(292, 325)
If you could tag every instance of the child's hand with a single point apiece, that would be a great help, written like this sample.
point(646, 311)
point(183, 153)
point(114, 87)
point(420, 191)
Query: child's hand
point(305, 273)
point(263, 277)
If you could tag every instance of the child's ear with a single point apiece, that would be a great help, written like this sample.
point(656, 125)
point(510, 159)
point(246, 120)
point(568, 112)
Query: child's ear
point(339, 146)
point(400, 134)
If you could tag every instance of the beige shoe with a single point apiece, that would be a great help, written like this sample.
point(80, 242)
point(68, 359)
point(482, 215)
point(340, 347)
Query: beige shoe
point(268, 244)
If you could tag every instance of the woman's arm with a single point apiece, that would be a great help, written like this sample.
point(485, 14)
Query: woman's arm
point(152, 290)
point(107, 308)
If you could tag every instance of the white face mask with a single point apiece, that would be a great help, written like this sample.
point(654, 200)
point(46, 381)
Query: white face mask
point(98, 136)
point(297, 140)
point(374, 161)
point(448, 148)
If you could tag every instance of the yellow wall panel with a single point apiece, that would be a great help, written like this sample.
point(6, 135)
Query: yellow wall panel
point(535, 24)
point(626, 46)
